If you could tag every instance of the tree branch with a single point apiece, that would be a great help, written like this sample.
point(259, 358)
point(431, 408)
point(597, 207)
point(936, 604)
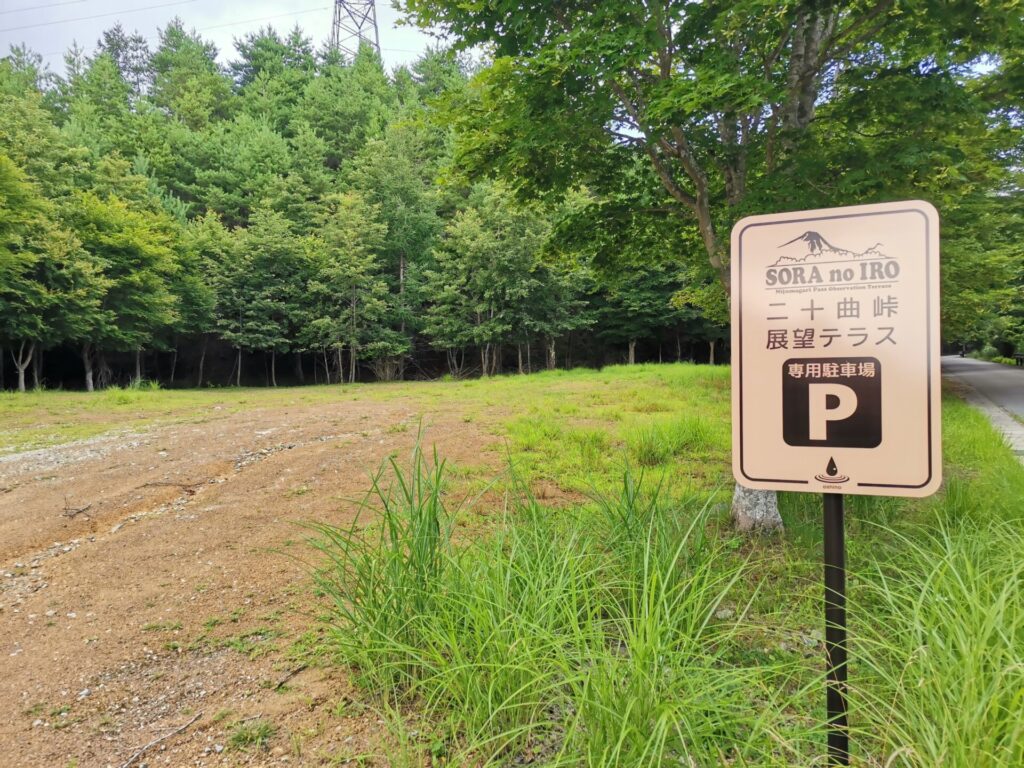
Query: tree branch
point(878, 14)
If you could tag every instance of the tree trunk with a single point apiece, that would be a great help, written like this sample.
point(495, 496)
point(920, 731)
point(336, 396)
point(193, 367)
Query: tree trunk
point(679, 349)
point(755, 510)
point(87, 362)
point(341, 368)
point(529, 362)
point(174, 364)
point(454, 365)
point(552, 359)
point(632, 351)
point(22, 361)
point(711, 351)
point(104, 373)
point(299, 373)
point(273, 367)
point(238, 371)
point(37, 369)
point(519, 353)
point(202, 362)
point(352, 364)
point(138, 364)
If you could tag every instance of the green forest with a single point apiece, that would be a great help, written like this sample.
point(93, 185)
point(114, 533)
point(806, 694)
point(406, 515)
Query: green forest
point(549, 187)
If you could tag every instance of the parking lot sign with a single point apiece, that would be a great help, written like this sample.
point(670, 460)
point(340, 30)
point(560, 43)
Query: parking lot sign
point(835, 338)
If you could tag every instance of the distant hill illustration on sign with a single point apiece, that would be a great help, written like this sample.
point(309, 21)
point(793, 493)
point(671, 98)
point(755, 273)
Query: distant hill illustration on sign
point(818, 248)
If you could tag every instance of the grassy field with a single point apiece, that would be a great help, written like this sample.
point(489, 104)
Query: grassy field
point(604, 614)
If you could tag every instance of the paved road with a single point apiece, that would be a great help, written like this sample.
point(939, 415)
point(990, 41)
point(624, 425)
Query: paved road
point(996, 390)
point(1002, 384)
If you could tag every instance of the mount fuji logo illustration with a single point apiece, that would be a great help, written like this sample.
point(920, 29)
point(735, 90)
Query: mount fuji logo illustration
point(821, 250)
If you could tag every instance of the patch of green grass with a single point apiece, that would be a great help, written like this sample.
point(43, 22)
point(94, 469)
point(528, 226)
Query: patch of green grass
point(221, 715)
point(35, 710)
point(690, 434)
point(251, 734)
point(161, 626)
point(942, 678)
point(638, 629)
point(254, 643)
point(591, 632)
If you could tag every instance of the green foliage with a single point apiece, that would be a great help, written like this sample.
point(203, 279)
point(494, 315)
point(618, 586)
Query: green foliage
point(350, 298)
point(490, 285)
point(582, 178)
point(262, 293)
point(133, 252)
point(187, 81)
point(708, 111)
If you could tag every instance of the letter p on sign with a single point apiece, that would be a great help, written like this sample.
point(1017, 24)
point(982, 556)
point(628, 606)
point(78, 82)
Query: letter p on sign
point(842, 409)
point(828, 402)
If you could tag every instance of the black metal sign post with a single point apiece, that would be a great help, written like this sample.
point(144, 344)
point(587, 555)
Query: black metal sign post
point(835, 630)
point(813, 410)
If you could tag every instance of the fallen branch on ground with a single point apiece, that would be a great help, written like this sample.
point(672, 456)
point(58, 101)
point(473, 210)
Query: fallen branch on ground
point(142, 750)
point(289, 676)
point(74, 511)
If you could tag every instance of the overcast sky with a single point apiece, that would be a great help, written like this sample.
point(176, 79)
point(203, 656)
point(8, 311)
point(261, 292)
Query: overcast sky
point(50, 26)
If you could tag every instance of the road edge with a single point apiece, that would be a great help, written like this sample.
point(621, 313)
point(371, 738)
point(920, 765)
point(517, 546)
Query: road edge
point(1004, 423)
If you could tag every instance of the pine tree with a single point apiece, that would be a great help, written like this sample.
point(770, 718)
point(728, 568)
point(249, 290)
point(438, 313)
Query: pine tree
point(349, 297)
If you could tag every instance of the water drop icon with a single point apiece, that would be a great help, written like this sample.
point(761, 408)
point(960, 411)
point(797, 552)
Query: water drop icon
point(831, 470)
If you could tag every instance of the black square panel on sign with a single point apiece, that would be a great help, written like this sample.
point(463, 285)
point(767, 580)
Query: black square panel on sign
point(833, 402)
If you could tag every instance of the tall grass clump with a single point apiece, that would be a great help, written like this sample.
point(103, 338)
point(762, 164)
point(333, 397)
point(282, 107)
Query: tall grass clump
point(383, 574)
point(943, 653)
point(653, 444)
point(589, 637)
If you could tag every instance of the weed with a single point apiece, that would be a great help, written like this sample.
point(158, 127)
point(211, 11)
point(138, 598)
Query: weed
point(252, 734)
point(254, 643)
point(221, 715)
point(162, 626)
point(693, 434)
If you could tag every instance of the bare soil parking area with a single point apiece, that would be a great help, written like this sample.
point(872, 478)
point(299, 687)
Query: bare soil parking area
point(153, 577)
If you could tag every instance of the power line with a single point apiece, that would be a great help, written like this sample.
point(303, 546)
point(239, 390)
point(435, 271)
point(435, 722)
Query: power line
point(152, 38)
point(39, 7)
point(96, 16)
point(264, 18)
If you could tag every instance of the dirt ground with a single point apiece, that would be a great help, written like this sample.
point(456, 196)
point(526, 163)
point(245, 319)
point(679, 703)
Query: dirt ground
point(151, 578)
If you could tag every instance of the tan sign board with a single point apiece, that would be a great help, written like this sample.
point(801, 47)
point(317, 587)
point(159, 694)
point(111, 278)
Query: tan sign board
point(835, 344)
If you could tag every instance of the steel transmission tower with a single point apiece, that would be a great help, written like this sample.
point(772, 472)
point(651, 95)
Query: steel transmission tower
point(355, 23)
